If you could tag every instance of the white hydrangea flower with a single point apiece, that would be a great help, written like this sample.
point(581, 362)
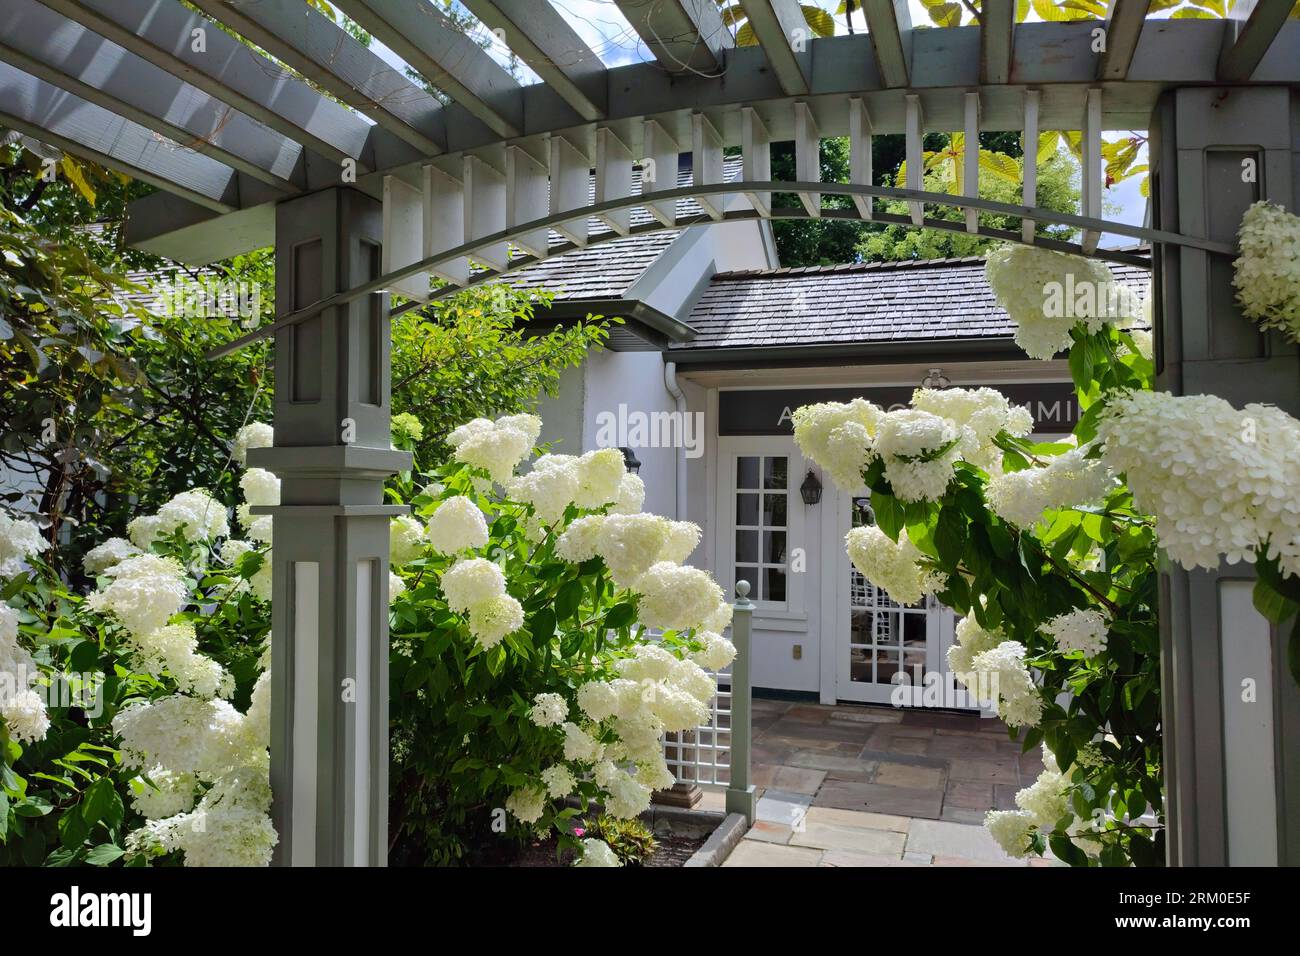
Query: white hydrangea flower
point(1267, 273)
point(629, 544)
point(628, 798)
point(893, 566)
point(1047, 800)
point(8, 629)
point(1068, 480)
point(457, 525)
point(491, 620)
point(580, 539)
point(144, 530)
point(717, 652)
point(145, 592)
point(598, 699)
point(497, 447)
point(406, 540)
point(676, 597)
point(252, 435)
point(838, 436)
point(225, 834)
point(396, 587)
point(1221, 482)
point(104, 556)
point(579, 745)
point(202, 516)
point(1010, 829)
point(972, 639)
point(173, 649)
point(548, 710)
point(260, 487)
point(559, 781)
point(683, 538)
point(25, 716)
point(1083, 629)
point(719, 619)
point(1019, 702)
point(170, 793)
point(600, 477)
point(980, 414)
point(1024, 280)
point(918, 449)
point(19, 539)
point(597, 853)
point(654, 775)
point(472, 581)
point(550, 487)
point(631, 495)
point(183, 734)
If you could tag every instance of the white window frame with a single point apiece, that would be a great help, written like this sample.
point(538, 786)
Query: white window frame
point(730, 448)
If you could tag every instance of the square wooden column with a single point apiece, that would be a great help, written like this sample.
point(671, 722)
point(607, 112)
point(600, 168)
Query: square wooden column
point(1231, 710)
point(333, 452)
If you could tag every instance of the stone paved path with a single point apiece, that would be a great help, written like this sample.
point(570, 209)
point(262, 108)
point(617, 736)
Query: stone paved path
point(854, 785)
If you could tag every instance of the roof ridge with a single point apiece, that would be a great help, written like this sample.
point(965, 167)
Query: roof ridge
point(856, 267)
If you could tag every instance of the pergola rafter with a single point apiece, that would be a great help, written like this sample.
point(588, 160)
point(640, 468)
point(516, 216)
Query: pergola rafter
point(685, 36)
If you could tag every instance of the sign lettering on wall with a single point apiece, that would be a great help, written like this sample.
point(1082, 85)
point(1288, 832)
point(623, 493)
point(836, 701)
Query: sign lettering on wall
point(769, 411)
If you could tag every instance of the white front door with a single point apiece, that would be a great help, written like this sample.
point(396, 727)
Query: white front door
point(886, 652)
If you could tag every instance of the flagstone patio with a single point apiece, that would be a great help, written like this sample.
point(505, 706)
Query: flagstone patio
point(856, 785)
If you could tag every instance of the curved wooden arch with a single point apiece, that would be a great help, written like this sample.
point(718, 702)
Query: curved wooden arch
point(384, 282)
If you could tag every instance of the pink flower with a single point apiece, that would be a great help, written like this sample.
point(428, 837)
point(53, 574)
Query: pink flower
point(579, 831)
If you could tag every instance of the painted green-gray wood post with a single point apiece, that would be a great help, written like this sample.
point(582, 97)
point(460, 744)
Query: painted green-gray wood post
point(1231, 711)
point(333, 451)
point(740, 792)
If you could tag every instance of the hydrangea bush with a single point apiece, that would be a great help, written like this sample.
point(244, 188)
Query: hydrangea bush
point(135, 717)
point(527, 683)
point(1267, 273)
point(1049, 550)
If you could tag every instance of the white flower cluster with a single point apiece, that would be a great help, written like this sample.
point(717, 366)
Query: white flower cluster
point(495, 446)
point(991, 666)
point(589, 481)
point(1042, 805)
point(103, 556)
point(717, 652)
point(457, 525)
point(252, 435)
point(917, 445)
point(1221, 482)
point(477, 587)
point(1024, 280)
point(1083, 629)
point(21, 708)
point(893, 566)
point(549, 710)
point(184, 744)
point(1067, 480)
point(406, 540)
point(19, 539)
point(145, 591)
point(202, 517)
point(838, 436)
point(597, 853)
point(1267, 274)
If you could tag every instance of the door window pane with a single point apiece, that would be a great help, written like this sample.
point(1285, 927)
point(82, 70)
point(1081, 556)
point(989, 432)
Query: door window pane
point(774, 471)
point(747, 546)
point(747, 510)
point(773, 547)
point(774, 511)
point(746, 472)
point(749, 574)
point(774, 584)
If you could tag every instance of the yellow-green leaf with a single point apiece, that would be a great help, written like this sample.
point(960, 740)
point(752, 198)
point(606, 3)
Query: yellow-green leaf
point(819, 21)
point(745, 35)
point(72, 169)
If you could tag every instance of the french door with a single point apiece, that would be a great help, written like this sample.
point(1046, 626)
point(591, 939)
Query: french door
point(887, 652)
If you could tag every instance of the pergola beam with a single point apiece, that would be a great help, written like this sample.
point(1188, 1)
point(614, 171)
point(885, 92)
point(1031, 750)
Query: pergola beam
point(776, 24)
point(77, 126)
point(1124, 25)
point(997, 31)
point(538, 35)
point(448, 59)
point(889, 24)
point(685, 36)
point(38, 41)
point(164, 33)
point(1252, 28)
point(335, 61)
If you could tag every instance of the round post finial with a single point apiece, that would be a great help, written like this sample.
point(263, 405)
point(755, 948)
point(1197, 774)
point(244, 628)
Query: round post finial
point(742, 591)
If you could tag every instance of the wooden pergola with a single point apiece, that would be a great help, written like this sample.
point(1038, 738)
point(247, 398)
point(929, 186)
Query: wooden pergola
point(368, 184)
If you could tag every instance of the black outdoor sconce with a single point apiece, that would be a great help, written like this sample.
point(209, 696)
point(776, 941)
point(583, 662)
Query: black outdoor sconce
point(630, 460)
point(811, 489)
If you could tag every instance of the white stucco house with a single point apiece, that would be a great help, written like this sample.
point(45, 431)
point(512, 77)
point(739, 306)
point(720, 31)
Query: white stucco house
point(720, 344)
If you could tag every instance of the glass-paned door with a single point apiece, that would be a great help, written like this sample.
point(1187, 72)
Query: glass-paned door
point(762, 525)
point(889, 648)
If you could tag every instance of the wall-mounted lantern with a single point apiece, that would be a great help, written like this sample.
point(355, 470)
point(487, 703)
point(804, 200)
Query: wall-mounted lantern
point(811, 489)
point(630, 460)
